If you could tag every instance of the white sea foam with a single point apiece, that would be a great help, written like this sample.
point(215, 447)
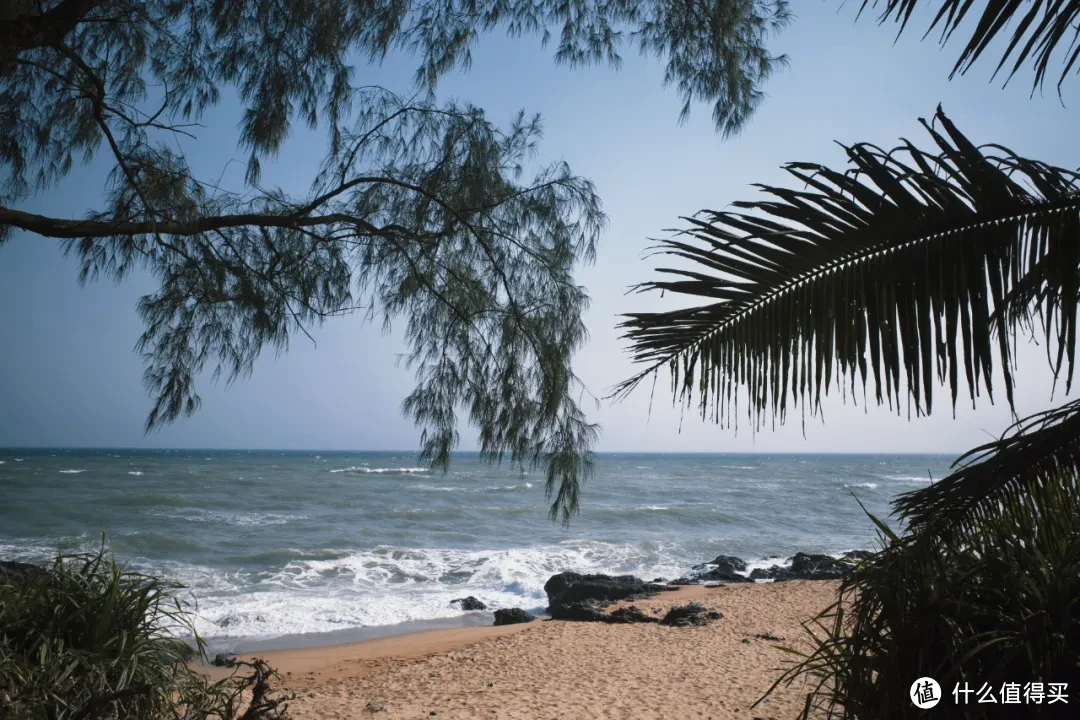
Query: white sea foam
point(653, 507)
point(522, 486)
point(135, 472)
point(910, 478)
point(249, 519)
point(379, 471)
point(765, 564)
point(71, 472)
point(3, 462)
point(869, 485)
point(19, 459)
point(390, 585)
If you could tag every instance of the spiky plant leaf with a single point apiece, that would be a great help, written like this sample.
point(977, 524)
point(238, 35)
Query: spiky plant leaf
point(1042, 26)
point(898, 269)
point(1034, 451)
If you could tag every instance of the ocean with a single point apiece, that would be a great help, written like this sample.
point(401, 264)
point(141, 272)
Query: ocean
point(282, 549)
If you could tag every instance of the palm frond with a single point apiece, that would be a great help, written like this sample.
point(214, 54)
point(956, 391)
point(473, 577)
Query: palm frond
point(1043, 26)
point(903, 265)
point(1034, 451)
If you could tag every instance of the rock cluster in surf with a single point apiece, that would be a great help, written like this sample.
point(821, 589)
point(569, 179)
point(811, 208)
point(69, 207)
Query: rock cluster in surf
point(512, 616)
point(468, 604)
point(804, 566)
point(584, 598)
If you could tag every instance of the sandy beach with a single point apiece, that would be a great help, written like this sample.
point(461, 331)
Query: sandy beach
point(555, 670)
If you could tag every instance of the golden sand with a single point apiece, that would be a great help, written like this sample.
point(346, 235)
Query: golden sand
point(562, 670)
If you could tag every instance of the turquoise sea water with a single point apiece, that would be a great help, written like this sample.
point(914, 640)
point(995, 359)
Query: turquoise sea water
point(292, 543)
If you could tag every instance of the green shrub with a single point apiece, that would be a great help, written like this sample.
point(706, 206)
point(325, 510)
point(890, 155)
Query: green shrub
point(993, 601)
point(91, 640)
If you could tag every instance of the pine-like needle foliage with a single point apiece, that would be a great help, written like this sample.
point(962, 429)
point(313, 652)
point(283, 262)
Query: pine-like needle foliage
point(424, 212)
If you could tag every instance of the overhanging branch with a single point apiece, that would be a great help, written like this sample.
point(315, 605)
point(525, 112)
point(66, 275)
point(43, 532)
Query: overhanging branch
point(27, 31)
point(69, 229)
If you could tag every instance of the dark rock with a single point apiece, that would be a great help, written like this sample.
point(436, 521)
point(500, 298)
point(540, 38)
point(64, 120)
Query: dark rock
point(768, 637)
point(806, 566)
point(629, 615)
point(570, 587)
point(710, 575)
point(718, 575)
point(224, 660)
point(810, 566)
point(513, 616)
point(469, 603)
point(729, 564)
point(859, 555)
point(690, 614)
point(776, 572)
point(722, 569)
point(651, 589)
point(587, 611)
point(17, 573)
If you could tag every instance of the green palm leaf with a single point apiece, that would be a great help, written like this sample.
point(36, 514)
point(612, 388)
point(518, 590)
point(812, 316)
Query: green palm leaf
point(1037, 450)
point(1043, 25)
point(899, 269)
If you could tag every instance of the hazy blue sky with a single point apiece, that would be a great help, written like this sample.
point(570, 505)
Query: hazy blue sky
point(68, 375)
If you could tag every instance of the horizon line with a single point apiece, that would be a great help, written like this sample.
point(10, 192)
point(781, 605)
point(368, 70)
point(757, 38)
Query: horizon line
point(473, 451)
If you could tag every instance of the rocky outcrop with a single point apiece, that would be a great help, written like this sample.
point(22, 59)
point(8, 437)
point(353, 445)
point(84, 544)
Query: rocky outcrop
point(468, 603)
point(17, 573)
point(512, 616)
point(584, 611)
point(691, 614)
point(567, 588)
point(722, 569)
point(728, 564)
point(805, 566)
point(224, 660)
point(817, 567)
point(629, 614)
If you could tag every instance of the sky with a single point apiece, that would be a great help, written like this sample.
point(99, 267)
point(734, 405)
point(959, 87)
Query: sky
point(69, 376)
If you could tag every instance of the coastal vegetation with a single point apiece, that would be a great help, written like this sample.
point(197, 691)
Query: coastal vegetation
point(86, 639)
point(993, 604)
point(930, 262)
point(909, 269)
